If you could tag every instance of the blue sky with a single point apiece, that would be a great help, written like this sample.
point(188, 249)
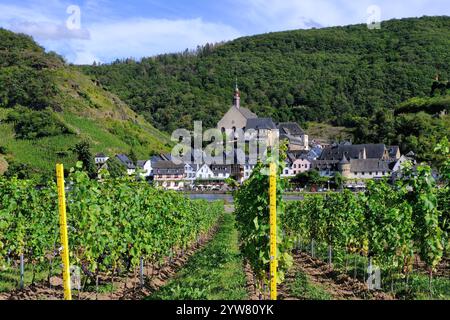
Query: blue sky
point(111, 29)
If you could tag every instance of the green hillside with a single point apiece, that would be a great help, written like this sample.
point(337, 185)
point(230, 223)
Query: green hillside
point(46, 107)
point(323, 75)
point(417, 125)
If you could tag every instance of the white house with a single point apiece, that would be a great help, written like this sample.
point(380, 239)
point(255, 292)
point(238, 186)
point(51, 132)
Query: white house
point(398, 164)
point(146, 168)
point(190, 171)
point(288, 172)
point(131, 168)
point(100, 158)
point(204, 173)
point(221, 171)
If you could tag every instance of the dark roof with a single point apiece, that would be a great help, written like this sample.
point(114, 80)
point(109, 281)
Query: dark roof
point(291, 157)
point(325, 164)
point(296, 140)
point(247, 113)
point(260, 123)
point(164, 164)
point(356, 165)
point(393, 150)
point(101, 155)
point(373, 151)
point(369, 165)
point(126, 161)
point(290, 128)
point(220, 168)
point(141, 163)
point(344, 160)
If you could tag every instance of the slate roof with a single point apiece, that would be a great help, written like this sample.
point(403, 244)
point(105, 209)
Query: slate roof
point(141, 163)
point(101, 155)
point(126, 161)
point(296, 140)
point(164, 164)
point(369, 165)
point(246, 113)
point(373, 151)
point(393, 150)
point(260, 123)
point(220, 168)
point(290, 128)
point(168, 168)
point(344, 160)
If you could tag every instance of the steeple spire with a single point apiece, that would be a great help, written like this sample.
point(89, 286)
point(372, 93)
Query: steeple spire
point(237, 96)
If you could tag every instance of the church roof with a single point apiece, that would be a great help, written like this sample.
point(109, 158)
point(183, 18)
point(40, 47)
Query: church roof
point(246, 113)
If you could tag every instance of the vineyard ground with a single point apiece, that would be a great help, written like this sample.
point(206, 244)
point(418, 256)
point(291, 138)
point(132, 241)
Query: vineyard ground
point(117, 288)
point(317, 274)
point(213, 273)
point(314, 279)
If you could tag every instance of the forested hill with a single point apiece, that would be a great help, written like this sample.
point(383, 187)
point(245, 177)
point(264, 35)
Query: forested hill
point(330, 74)
point(47, 107)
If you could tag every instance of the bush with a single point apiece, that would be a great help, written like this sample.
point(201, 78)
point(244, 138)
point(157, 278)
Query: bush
point(36, 124)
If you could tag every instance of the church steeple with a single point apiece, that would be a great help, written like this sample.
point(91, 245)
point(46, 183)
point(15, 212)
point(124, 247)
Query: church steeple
point(237, 97)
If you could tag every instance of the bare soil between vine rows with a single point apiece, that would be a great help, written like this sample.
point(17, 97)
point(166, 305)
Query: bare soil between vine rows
point(126, 288)
point(340, 286)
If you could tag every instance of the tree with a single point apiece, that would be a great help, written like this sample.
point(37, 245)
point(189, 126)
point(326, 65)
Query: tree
point(83, 152)
point(115, 168)
point(338, 180)
point(133, 157)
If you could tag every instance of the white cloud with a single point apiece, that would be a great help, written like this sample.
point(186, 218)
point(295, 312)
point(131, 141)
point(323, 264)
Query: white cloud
point(105, 37)
point(48, 30)
point(276, 15)
point(145, 37)
point(108, 39)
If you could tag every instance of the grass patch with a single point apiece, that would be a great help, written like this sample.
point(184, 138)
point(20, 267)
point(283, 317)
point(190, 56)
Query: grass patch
point(301, 288)
point(10, 276)
point(214, 273)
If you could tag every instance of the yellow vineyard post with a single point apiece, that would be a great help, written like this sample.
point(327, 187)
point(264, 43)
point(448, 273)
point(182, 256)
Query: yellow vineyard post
point(273, 231)
point(63, 231)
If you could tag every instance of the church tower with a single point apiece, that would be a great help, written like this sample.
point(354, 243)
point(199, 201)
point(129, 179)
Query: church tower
point(344, 167)
point(237, 97)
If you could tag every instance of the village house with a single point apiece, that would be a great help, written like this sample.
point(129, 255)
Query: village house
point(100, 159)
point(204, 173)
point(145, 167)
point(190, 170)
point(168, 175)
point(365, 161)
point(129, 165)
point(296, 137)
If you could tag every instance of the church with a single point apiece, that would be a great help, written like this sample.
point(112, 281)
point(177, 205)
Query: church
point(241, 118)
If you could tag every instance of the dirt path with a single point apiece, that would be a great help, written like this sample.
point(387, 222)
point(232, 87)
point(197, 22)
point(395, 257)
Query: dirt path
point(339, 286)
point(126, 288)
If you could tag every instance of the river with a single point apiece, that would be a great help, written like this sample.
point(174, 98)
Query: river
point(229, 197)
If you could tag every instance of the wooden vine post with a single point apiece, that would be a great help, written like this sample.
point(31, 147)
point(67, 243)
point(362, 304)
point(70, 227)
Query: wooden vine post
point(63, 231)
point(273, 231)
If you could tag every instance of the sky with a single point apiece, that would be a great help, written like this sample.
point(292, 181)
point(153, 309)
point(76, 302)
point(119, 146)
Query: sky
point(84, 31)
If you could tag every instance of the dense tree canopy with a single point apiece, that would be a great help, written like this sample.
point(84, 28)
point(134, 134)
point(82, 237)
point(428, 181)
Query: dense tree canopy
point(330, 74)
